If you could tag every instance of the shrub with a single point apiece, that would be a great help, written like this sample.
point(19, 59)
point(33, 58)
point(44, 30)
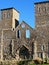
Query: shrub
point(45, 60)
point(25, 62)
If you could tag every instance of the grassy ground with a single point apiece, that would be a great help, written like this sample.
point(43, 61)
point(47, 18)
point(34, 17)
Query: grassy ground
point(39, 64)
point(32, 64)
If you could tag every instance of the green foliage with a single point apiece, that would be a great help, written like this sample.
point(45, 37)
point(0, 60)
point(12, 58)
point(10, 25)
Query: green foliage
point(25, 62)
point(45, 60)
point(4, 63)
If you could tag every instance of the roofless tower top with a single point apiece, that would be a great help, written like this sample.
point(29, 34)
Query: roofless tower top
point(42, 13)
point(9, 17)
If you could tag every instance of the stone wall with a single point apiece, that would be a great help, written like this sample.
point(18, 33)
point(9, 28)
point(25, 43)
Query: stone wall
point(42, 26)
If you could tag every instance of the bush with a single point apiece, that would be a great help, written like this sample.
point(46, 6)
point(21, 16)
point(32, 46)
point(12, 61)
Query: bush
point(45, 60)
point(25, 62)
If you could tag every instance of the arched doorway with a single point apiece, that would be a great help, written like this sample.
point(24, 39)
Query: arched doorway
point(24, 53)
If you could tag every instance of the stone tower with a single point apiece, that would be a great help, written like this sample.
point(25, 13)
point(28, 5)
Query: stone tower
point(42, 27)
point(42, 13)
point(9, 18)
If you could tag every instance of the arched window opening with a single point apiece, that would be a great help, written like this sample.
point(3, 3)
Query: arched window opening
point(16, 23)
point(8, 15)
point(18, 34)
point(23, 26)
point(40, 55)
point(45, 9)
point(39, 9)
point(42, 47)
point(27, 33)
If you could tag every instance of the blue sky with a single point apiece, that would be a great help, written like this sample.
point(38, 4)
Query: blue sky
point(25, 7)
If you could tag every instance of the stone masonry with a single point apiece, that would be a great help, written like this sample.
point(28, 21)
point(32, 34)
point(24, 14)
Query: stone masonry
point(13, 36)
point(19, 40)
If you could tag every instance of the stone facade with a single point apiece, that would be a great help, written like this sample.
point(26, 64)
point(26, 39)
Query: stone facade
point(14, 36)
point(19, 40)
point(42, 28)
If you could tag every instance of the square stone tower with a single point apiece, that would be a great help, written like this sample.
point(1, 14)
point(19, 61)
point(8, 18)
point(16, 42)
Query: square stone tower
point(9, 18)
point(42, 28)
point(42, 13)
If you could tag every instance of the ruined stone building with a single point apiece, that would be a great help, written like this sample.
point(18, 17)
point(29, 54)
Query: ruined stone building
point(19, 40)
point(15, 39)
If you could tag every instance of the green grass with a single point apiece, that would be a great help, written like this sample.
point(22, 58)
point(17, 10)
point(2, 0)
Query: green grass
point(39, 64)
point(44, 64)
point(32, 64)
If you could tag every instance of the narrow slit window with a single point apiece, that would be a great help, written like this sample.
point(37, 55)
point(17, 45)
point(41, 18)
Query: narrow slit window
point(0, 15)
point(39, 9)
point(8, 15)
point(18, 34)
point(48, 49)
point(10, 47)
